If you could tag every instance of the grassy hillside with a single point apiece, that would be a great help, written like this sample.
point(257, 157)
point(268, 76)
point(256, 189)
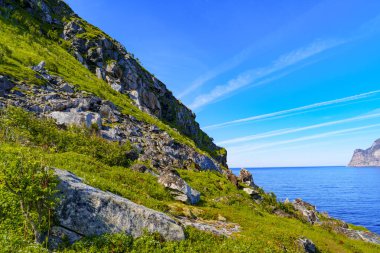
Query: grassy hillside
point(83, 153)
point(23, 45)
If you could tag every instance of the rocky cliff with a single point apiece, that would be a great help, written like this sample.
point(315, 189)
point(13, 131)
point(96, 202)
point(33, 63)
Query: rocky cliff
point(367, 157)
point(111, 62)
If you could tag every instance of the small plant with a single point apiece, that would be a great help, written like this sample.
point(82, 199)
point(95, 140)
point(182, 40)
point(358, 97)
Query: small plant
point(33, 186)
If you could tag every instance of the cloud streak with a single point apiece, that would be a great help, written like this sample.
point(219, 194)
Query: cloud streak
point(295, 130)
point(295, 110)
point(254, 76)
point(247, 149)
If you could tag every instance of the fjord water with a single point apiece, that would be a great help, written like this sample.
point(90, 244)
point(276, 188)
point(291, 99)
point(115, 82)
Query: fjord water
point(347, 193)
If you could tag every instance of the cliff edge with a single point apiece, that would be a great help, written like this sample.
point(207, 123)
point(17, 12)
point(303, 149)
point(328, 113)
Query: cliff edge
point(368, 157)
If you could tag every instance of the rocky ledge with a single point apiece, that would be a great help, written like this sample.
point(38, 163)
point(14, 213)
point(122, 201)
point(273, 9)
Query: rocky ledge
point(310, 214)
point(86, 211)
point(367, 158)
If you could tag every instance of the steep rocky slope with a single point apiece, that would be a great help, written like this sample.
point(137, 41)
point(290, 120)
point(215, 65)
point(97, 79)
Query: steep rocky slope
point(367, 157)
point(111, 62)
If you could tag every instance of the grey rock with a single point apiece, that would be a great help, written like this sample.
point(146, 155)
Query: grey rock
point(5, 85)
point(205, 162)
point(88, 211)
point(366, 236)
point(116, 87)
point(67, 88)
point(87, 119)
point(59, 235)
point(39, 67)
point(111, 134)
point(246, 178)
point(255, 195)
point(179, 188)
point(107, 112)
point(368, 157)
point(72, 28)
point(307, 210)
point(307, 245)
point(221, 228)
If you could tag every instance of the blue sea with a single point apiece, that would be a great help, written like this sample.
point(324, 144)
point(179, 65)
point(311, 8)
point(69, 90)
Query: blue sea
point(347, 193)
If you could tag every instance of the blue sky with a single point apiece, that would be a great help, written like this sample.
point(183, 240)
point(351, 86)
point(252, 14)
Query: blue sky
point(278, 83)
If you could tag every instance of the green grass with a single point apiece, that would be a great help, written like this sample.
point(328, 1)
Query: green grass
point(355, 227)
point(261, 231)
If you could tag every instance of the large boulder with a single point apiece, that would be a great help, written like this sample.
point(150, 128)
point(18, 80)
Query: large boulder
point(179, 188)
point(88, 119)
point(87, 211)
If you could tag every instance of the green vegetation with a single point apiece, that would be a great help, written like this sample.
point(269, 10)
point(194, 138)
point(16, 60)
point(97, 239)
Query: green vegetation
point(26, 180)
point(261, 231)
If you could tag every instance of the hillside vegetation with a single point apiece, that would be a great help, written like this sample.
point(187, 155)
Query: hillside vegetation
point(31, 146)
point(85, 154)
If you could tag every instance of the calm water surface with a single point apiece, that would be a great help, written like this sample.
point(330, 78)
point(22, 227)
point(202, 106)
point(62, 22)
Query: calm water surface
point(350, 194)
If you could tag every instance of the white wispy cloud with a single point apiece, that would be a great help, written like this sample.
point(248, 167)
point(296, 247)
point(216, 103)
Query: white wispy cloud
point(295, 130)
point(288, 112)
point(250, 148)
point(255, 75)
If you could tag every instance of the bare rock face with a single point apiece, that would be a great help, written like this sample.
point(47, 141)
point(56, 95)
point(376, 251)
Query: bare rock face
point(67, 105)
point(367, 158)
point(179, 188)
point(86, 211)
point(111, 62)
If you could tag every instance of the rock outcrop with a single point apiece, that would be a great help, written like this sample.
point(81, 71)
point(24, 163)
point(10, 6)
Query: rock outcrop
point(308, 211)
point(246, 178)
point(367, 158)
point(111, 62)
point(86, 211)
point(311, 215)
point(74, 107)
point(179, 188)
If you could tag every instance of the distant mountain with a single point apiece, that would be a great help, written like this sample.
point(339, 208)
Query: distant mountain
point(368, 157)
